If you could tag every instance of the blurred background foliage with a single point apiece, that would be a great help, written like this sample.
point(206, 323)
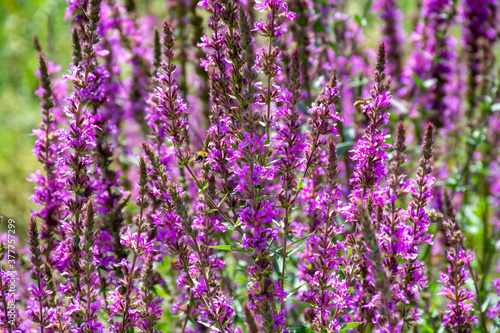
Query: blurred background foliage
point(19, 107)
point(20, 20)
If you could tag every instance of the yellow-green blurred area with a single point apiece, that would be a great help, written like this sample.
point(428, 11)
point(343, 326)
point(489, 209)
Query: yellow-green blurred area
point(19, 110)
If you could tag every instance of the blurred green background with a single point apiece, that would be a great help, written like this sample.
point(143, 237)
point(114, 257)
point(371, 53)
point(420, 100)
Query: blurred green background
point(19, 107)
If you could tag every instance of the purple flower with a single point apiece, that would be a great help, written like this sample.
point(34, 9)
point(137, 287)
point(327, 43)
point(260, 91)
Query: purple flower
point(370, 152)
point(392, 32)
point(457, 315)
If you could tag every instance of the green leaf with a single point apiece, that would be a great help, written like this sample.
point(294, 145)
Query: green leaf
point(297, 328)
point(350, 325)
point(300, 240)
point(221, 247)
point(418, 81)
point(227, 225)
point(300, 185)
point(207, 211)
point(277, 261)
point(294, 250)
point(299, 207)
point(223, 199)
point(227, 248)
point(272, 162)
point(294, 291)
point(264, 197)
point(209, 326)
point(360, 20)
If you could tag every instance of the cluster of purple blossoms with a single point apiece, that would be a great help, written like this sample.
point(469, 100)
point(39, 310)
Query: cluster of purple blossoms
point(392, 35)
point(433, 62)
point(199, 177)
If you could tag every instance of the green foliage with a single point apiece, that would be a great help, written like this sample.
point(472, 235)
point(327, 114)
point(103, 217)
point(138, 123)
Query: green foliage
point(19, 21)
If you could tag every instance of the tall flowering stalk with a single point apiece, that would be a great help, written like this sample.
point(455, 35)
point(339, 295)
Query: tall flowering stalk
point(49, 193)
point(432, 62)
point(324, 120)
point(370, 153)
point(150, 309)
point(328, 292)
point(193, 253)
point(122, 299)
point(480, 36)
point(267, 59)
point(392, 32)
point(79, 141)
point(252, 171)
point(224, 61)
point(290, 143)
point(301, 32)
point(194, 234)
point(170, 103)
point(90, 293)
point(218, 52)
point(394, 235)
point(368, 180)
point(414, 270)
point(41, 312)
point(457, 317)
point(377, 273)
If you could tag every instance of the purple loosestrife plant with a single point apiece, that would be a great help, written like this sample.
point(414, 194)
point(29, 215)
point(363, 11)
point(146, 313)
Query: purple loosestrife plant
point(122, 299)
point(377, 274)
point(323, 123)
point(251, 211)
point(290, 145)
point(182, 240)
point(392, 34)
point(170, 103)
point(480, 35)
point(41, 310)
point(90, 292)
point(224, 61)
point(457, 317)
point(398, 233)
point(78, 142)
point(49, 192)
point(428, 76)
point(370, 153)
point(411, 274)
point(267, 60)
point(150, 309)
point(328, 292)
point(202, 281)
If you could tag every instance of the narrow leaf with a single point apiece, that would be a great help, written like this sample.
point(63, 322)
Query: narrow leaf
point(350, 325)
